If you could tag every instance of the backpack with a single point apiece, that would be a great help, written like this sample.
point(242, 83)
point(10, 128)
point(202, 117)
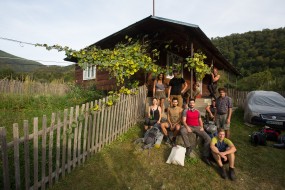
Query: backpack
point(210, 127)
point(258, 138)
point(150, 137)
point(271, 134)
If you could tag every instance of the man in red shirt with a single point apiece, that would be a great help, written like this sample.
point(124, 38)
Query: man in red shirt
point(192, 123)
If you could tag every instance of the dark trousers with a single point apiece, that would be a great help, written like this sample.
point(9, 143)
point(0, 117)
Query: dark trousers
point(202, 134)
point(212, 89)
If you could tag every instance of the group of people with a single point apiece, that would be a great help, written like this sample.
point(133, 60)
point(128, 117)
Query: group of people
point(184, 119)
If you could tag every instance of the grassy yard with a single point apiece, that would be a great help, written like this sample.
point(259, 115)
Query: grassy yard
point(17, 108)
point(123, 165)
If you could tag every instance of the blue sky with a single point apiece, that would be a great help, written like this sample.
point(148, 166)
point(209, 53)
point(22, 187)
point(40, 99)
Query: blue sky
point(78, 24)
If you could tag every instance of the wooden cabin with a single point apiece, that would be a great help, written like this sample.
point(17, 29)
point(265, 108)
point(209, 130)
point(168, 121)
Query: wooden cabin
point(184, 38)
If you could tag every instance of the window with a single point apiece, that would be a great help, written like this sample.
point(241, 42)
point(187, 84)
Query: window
point(89, 72)
point(171, 60)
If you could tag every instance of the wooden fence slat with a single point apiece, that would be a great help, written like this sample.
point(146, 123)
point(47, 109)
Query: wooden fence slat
point(104, 126)
point(50, 150)
point(86, 113)
point(113, 124)
point(58, 135)
point(93, 130)
point(79, 134)
point(5, 161)
point(16, 155)
point(75, 136)
point(101, 126)
point(69, 162)
point(98, 116)
point(107, 126)
point(89, 133)
point(36, 153)
point(44, 126)
point(27, 154)
point(64, 143)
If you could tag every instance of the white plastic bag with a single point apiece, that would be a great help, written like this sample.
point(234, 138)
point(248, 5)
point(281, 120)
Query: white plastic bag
point(177, 156)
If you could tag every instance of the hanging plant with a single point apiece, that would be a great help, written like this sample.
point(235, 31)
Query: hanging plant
point(197, 63)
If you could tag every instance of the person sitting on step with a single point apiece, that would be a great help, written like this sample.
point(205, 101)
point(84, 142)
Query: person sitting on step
point(174, 115)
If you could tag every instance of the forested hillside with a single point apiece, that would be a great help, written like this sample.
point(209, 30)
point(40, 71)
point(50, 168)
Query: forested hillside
point(17, 64)
point(13, 67)
point(258, 55)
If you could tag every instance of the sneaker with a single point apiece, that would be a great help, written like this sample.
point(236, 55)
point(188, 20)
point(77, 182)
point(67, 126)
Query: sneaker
point(206, 160)
point(188, 151)
point(223, 172)
point(232, 174)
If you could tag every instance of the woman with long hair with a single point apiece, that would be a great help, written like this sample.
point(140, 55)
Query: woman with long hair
point(159, 90)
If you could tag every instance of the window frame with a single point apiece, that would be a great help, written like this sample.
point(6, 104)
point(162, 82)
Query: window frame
point(89, 72)
point(170, 59)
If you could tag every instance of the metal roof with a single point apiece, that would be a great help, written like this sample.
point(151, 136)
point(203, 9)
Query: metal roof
point(152, 23)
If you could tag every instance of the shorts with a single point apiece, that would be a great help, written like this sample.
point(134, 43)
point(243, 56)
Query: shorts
point(150, 122)
point(168, 127)
point(221, 122)
point(160, 94)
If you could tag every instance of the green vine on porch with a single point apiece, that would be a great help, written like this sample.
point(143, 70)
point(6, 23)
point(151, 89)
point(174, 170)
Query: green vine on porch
point(197, 63)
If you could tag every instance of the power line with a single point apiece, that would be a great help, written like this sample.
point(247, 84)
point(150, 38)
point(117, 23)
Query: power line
point(17, 41)
point(28, 43)
point(18, 58)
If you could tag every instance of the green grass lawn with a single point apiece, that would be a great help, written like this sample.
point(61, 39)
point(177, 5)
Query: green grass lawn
point(123, 165)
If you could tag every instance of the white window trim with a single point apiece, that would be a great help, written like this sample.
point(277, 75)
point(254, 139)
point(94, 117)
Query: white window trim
point(170, 59)
point(89, 72)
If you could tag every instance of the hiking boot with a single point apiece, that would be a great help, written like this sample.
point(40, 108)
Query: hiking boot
point(167, 140)
point(232, 174)
point(206, 160)
point(188, 151)
point(223, 172)
point(173, 141)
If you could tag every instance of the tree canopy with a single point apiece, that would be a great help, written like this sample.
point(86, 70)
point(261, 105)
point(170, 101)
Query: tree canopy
point(256, 53)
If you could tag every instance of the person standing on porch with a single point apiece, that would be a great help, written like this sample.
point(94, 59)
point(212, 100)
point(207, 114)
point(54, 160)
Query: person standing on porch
point(212, 86)
point(159, 90)
point(224, 108)
point(175, 86)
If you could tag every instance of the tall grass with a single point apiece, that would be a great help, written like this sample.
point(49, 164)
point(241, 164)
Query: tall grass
point(16, 108)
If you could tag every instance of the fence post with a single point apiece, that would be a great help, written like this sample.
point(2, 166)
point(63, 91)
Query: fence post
point(16, 155)
point(36, 152)
point(44, 125)
point(4, 151)
point(27, 155)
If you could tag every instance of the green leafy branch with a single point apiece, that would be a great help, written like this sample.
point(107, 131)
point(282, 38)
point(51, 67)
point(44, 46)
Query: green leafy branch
point(197, 63)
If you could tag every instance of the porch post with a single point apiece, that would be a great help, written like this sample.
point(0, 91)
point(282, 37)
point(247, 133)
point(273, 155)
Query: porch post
point(192, 70)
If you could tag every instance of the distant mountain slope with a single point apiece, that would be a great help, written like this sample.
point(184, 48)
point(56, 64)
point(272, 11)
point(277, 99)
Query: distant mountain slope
point(258, 55)
point(17, 64)
point(255, 51)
